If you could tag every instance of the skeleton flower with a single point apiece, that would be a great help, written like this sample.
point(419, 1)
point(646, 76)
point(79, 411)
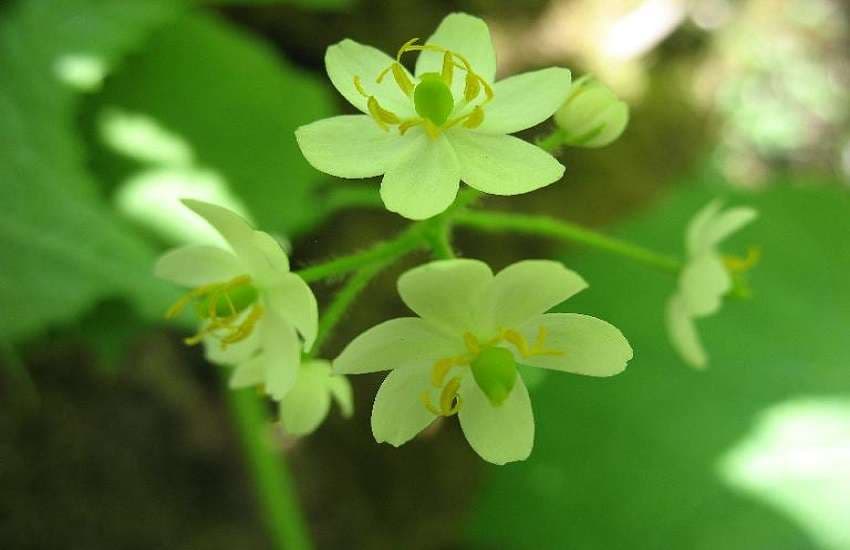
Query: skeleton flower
point(706, 277)
point(249, 304)
point(447, 122)
point(306, 405)
point(460, 355)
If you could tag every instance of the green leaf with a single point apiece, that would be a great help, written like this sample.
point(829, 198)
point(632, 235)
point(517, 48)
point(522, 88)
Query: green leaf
point(61, 249)
point(637, 460)
point(235, 103)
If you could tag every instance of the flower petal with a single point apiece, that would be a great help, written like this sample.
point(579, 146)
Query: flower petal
point(197, 265)
point(293, 300)
point(728, 222)
point(528, 288)
point(425, 180)
point(463, 34)
point(348, 59)
point(587, 345)
point(447, 293)
point(340, 389)
point(304, 407)
point(351, 146)
point(703, 283)
point(398, 413)
point(683, 334)
point(525, 100)
point(397, 343)
point(503, 165)
point(282, 354)
point(249, 373)
point(498, 434)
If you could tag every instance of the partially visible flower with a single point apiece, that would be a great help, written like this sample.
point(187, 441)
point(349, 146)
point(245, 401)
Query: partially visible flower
point(306, 405)
point(592, 116)
point(446, 123)
point(460, 355)
point(250, 306)
point(707, 276)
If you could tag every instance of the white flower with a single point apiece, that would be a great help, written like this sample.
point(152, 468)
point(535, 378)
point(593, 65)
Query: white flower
point(460, 355)
point(250, 304)
point(306, 405)
point(446, 123)
point(706, 277)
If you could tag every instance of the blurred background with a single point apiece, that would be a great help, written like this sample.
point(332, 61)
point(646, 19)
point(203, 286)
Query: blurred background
point(115, 435)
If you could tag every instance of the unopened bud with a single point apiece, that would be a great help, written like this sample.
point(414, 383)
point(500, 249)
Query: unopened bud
point(592, 115)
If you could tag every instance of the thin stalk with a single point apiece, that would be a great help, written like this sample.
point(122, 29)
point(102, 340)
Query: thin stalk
point(553, 141)
point(440, 240)
point(272, 480)
point(345, 298)
point(493, 222)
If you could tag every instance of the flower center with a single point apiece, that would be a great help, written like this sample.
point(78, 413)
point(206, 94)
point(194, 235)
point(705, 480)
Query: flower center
point(493, 368)
point(738, 269)
point(432, 95)
point(222, 306)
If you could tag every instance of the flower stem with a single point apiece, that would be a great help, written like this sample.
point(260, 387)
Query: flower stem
point(344, 298)
point(272, 480)
point(405, 242)
point(495, 222)
point(552, 142)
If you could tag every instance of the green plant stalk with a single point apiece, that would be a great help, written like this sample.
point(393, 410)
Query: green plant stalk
point(271, 477)
point(494, 222)
point(553, 141)
point(345, 298)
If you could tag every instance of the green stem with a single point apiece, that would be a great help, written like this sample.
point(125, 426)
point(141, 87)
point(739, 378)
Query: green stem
point(405, 242)
point(344, 298)
point(272, 480)
point(553, 141)
point(439, 238)
point(495, 222)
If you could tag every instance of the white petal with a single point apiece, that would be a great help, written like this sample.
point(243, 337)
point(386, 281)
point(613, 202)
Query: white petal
point(348, 59)
point(683, 334)
point(728, 222)
point(305, 406)
point(351, 146)
point(282, 354)
point(425, 181)
point(697, 227)
point(447, 293)
point(587, 345)
point(466, 35)
point(498, 434)
point(197, 265)
point(398, 343)
point(398, 413)
point(340, 389)
point(525, 100)
point(293, 300)
point(503, 165)
point(528, 288)
point(703, 283)
point(249, 373)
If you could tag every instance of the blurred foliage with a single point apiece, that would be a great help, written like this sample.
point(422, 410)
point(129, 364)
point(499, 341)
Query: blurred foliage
point(60, 247)
point(635, 457)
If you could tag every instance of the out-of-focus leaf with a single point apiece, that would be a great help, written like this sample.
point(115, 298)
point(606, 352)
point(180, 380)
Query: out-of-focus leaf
point(635, 461)
point(235, 104)
point(60, 248)
point(310, 4)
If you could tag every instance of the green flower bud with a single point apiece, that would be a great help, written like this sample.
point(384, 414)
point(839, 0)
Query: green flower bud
point(433, 99)
point(495, 373)
point(592, 116)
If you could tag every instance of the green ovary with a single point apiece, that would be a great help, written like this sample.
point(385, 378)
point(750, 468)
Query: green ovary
point(432, 99)
point(231, 302)
point(495, 373)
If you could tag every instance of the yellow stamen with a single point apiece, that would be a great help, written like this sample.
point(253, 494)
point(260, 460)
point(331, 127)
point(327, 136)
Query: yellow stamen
point(742, 265)
point(448, 69)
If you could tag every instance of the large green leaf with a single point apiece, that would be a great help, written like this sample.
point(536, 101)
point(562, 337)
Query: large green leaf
point(60, 248)
point(235, 103)
point(637, 461)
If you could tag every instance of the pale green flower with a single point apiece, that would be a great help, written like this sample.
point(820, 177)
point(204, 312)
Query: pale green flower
point(252, 308)
point(706, 277)
point(448, 122)
point(460, 355)
point(592, 116)
point(306, 405)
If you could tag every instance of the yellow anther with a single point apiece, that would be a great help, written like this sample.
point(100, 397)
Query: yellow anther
point(359, 86)
point(408, 124)
point(425, 397)
point(440, 369)
point(400, 76)
point(539, 348)
point(449, 399)
point(471, 87)
point(381, 115)
point(406, 47)
point(742, 265)
point(471, 343)
point(448, 68)
point(475, 118)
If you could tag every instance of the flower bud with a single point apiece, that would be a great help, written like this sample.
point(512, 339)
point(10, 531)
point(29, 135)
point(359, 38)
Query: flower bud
point(495, 373)
point(592, 116)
